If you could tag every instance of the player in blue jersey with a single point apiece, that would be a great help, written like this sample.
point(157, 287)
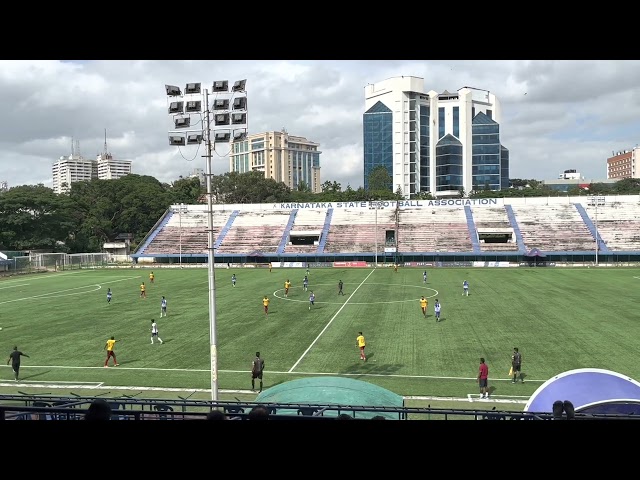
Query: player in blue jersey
point(465, 288)
point(163, 307)
point(233, 279)
point(436, 309)
point(305, 283)
point(109, 295)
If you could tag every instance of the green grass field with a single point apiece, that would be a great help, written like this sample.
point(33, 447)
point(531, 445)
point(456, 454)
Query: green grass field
point(560, 319)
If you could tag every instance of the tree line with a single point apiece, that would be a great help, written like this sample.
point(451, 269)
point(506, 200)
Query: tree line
point(33, 217)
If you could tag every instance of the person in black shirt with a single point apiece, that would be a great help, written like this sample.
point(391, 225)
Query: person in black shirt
point(14, 358)
point(340, 292)
point(256, 371)
point(516, 365)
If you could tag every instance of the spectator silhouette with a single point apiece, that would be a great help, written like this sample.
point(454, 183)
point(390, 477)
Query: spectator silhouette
point(98, 410)
point(378, 417)
point(216, 415)
point(344, 416)
point(566, 408)
point(259, 413)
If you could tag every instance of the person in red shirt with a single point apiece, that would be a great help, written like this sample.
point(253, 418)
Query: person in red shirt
point(483, 376)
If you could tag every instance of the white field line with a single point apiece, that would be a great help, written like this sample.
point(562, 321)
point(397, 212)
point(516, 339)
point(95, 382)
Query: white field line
point(41, 276)
point(60, 293)
point(330, 322)
point(15, 286)
point(476, 398)
point(314, 374)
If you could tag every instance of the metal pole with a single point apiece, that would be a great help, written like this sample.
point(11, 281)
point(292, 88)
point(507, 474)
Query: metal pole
point(597, 243)
point(180, 220)
point(211, 244)
point(376, 266)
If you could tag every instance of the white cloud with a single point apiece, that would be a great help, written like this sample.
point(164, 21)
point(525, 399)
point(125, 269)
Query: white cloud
point(573, 115)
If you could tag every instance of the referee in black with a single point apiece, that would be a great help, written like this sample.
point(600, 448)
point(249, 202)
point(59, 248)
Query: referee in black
point(14, 358)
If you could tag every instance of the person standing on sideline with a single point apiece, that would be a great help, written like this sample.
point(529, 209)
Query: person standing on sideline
point(465, 288)
point(154, 332)
point(395, 267)
point(516, 365)
point(233, 279)
point(312, 299)
point(163, 307)
point(109, 295)
point(340, 285)
point(269, 267)
point(151, 277)
point(360, 343)
point(265, 304)
point(483, 379)
point(424, 303)
point(14, 358)
point(436, 309)
point(257, 368)
point(110, 353)
point(143, 290)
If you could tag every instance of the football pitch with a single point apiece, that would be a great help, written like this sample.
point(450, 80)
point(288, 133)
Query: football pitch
point(560, 319)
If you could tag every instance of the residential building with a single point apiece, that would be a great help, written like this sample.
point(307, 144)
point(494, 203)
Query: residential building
point(439, 143)
point(74, 168)
point(199, 174)
point(624, 164)
point(286, 158)
point(110, 168)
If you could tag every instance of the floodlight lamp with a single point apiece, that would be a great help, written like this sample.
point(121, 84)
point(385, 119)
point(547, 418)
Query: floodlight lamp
point(239, 135)
point(222, 119)
point(182, 122)
point(192, 107)
point(176, 107)
point(239, 85)
point(220, 104)
point(239, 118)
point(176, 140)
point(220, 86)
point(222, 136)
point(172, 90)
point(240, 103)
point(194, 139)
point(192, 88)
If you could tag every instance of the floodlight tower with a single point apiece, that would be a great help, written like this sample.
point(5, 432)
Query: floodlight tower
point(595, 201)
point(230, 119)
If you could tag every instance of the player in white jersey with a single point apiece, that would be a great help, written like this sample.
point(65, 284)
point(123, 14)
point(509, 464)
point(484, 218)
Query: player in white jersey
point(436, 308)
point(109, 294)
point(154, 331)
point(163, 307)
point(424, 277)
point(312, 299)
point(233, 279)
point(465, 288)
point(305, 283)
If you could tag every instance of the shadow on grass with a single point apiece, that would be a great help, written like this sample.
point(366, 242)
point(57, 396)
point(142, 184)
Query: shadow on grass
point(370, 366)
point(35, 375)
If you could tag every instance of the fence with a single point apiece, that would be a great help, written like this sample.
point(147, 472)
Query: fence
point(53, 262)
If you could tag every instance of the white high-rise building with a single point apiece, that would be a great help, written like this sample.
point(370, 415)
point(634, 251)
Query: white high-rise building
point(74, 168)
point(110, 168)
point(433, 142)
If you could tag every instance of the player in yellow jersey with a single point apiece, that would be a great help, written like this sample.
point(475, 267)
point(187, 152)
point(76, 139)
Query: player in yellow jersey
point(360, 343)
point(110, 353)
point(287, 285)
point(270, 267)
point(265, 304)
point(151, 277)
point(424, 303)
point(143, 291)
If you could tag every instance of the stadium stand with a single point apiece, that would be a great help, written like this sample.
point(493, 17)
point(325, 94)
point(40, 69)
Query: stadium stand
point(307, 219)
point(255, 231)
point(355, 230)
point(436, 230)
point(618, 225)
point(493, 219)
point(553, 228)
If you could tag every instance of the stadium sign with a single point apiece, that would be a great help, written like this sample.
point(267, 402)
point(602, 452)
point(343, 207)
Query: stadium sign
point(452, 202)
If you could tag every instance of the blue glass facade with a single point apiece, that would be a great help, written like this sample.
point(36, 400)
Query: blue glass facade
point(486, 153)
point(504, 168)
point(456, 122)
point(378, 140)
point(440, 122)
point(424, 148)
point(449, 164)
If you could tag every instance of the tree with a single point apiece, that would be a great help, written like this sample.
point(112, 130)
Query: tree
point(33, 217)
point(186, 190)
point(380, 179)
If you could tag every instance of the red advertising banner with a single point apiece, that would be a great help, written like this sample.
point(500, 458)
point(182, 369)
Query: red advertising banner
point(349, 264)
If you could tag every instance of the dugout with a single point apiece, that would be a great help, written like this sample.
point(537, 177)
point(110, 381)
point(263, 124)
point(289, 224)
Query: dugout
point(333, 391)
point(535, 258)
point(590, 390)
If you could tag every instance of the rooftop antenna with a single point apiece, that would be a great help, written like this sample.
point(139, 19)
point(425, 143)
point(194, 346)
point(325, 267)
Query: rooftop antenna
point(72, 146)
point(105, 142)
point(78, 147)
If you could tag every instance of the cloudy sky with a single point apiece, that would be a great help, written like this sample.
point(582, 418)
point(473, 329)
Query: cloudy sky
point(556, 114)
